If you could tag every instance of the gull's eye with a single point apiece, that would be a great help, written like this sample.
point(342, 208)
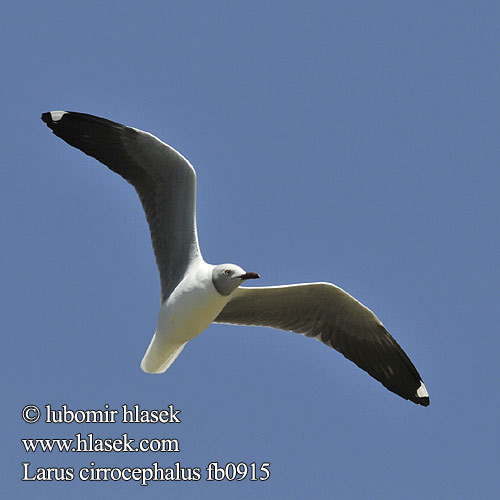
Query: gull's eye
point(227, 271)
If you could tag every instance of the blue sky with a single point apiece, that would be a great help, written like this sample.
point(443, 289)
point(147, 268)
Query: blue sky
point(350, 142)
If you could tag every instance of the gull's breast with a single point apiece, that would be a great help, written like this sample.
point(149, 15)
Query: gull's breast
point(189, 310)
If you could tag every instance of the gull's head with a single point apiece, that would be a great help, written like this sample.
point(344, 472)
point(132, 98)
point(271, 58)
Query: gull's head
point(228, 277)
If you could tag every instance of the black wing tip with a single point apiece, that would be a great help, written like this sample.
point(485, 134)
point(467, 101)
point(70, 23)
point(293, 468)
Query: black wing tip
point(421, 397)
point(53, 118)
point(422, 401)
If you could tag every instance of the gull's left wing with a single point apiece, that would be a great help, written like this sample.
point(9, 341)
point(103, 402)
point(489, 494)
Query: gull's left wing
point(329, 314)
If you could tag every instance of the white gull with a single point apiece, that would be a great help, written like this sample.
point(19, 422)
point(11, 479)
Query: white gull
point(194, 294)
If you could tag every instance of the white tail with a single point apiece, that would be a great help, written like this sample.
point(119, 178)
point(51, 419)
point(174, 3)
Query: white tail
point(160, 355)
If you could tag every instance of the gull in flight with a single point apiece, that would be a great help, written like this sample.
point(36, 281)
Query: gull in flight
point(194, 294)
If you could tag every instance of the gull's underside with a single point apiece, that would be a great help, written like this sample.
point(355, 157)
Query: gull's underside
point(195, 294)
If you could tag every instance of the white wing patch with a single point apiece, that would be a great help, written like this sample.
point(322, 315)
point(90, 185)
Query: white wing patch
point(57, 115)
point(422, 391)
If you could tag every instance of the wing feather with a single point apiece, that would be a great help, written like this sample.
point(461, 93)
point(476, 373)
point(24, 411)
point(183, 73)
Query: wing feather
point(164, 180)
point(329, 314)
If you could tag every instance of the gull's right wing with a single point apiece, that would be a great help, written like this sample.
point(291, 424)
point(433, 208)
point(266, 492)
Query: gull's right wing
point(164, 180)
